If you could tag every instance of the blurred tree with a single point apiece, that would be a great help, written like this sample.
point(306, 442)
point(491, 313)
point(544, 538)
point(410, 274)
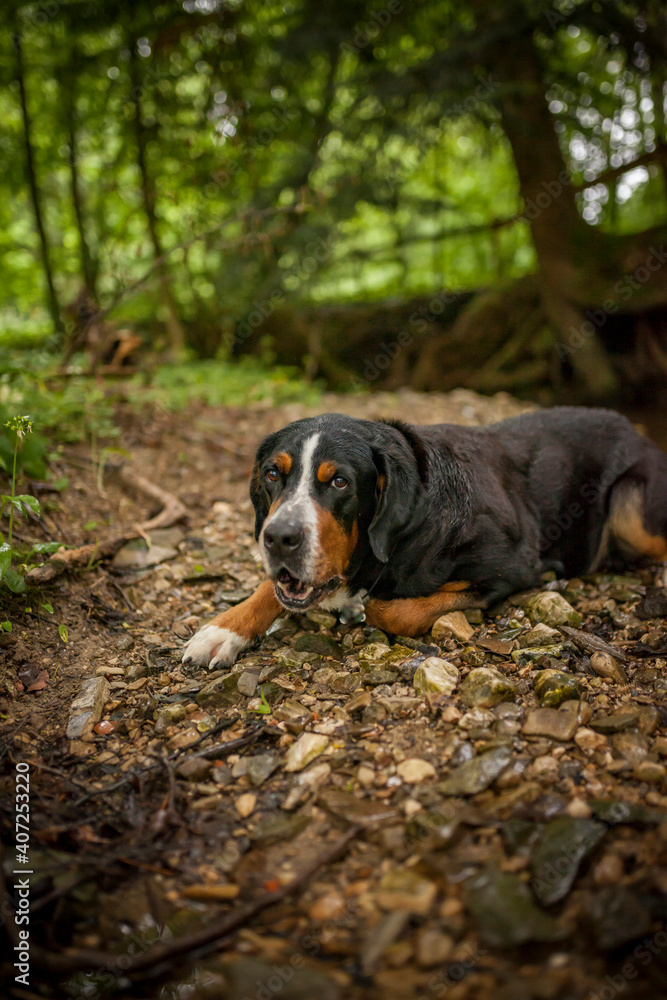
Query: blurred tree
point(201, 164)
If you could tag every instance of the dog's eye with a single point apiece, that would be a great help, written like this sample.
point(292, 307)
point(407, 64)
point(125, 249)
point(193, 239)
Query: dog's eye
point(272, 475)
point(340, 482)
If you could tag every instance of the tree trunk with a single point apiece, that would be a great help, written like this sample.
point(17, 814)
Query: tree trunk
point(174, 328)
point(89, 265)
point(54, 306)
point(586, 276)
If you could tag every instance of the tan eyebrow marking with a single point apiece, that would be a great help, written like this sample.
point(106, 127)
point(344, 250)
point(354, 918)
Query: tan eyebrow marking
point(326, 471)
point(283, 462)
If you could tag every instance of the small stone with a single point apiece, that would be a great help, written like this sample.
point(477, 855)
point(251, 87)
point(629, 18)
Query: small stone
point(245, 804)
point(260, 767)
point(485, 687)
point(608, 870)
point(220, 693)
point(540, 635)
point(380, 656)
point(477, 774)
point(528, 654)
point(322, 618)
point(579, 809)
point(247, 683)
point(631, 744)
point(295, 715)
point(87, 707)
point(648, 719)
point(649, 770)
point(433, 948)
point(331, 906)
point(321, 645)
point(365, 776)
point(404, 889)
point(590, 741)
point(551, 723)
point(551, 608)
point(436, 675)
point(474, 615)
point(306, 749)
point(194, 768)
point(453, 624)
point(169, 715)
point(137, 554)
point(414, 770)
point(606, 666)
point(615, 722)
point(375, 678)
point(553, 687)
point(104, 728)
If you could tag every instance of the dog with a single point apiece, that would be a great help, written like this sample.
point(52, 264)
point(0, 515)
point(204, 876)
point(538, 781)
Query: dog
point(409, 522)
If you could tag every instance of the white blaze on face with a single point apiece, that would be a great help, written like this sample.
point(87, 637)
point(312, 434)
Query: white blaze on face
point(301, 507)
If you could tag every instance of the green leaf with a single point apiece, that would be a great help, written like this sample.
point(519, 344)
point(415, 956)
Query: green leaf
point(48, 607)
point(62, 632)
point(60, 484)
point(5, 558)
point(6, 626)
point(47, 547)
point(90, 525)
point(15, 581)
point(31, 502)
point(264, 708)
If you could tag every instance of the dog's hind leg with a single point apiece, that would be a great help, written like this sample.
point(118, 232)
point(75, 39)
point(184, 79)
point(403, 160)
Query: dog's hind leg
point(637, 520)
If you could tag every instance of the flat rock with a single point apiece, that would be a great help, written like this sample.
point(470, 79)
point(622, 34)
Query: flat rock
point(631, 744)
point(436, 675)
point(485, 687)
point(321, 645)
point(453, 624)
point(87, 707)
point(552, 609)
point(551, 723)
point(504, 910)
point(221, 692)
point(260, 767)
point(414, 770)
point(137, 554)
point(405, 889)
point(304, 750)
point(623, 718)
point(194, 768)
point(540, 635)
point(477, 774)
point(560, 849)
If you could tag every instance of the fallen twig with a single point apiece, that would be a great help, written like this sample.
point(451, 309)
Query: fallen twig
point(200, 941)
point(591, 643)
point(67, 559)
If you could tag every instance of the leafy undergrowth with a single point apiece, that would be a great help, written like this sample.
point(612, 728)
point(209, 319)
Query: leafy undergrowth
point(495, 852)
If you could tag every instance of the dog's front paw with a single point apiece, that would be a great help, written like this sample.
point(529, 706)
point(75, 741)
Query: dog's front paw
point(213, 646)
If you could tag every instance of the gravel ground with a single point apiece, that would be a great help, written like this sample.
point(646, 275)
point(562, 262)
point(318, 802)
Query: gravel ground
point(504, 777)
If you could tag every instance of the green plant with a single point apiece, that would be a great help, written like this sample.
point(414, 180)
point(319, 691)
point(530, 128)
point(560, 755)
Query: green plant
point(19, 427)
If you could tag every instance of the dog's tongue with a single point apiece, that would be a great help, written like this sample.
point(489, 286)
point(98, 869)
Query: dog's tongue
point(292, 587)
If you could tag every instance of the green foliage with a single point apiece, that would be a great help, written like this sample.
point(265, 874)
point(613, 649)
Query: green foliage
point(178, 121)
point(20, 503)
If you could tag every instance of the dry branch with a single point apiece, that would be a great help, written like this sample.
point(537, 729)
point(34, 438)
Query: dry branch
point(213, 934)
point(68, 559)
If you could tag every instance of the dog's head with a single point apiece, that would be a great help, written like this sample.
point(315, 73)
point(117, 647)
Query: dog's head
point(329, 492)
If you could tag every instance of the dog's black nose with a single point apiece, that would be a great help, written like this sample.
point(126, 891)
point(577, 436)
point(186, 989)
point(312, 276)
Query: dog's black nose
point(283, 537)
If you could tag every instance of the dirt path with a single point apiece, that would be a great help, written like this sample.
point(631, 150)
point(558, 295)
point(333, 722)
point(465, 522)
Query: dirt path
point(509, 825)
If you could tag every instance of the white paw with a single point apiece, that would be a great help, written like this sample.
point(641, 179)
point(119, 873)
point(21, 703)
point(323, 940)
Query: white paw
point(214, 647)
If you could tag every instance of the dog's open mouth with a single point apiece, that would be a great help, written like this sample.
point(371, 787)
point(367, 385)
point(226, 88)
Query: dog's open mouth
point(297, 595)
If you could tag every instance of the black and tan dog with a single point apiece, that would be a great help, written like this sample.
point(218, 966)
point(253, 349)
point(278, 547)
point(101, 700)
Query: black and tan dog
point(420, 521)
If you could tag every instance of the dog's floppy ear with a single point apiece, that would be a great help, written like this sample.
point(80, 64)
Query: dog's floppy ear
point(400, 488)
point(260, 500)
